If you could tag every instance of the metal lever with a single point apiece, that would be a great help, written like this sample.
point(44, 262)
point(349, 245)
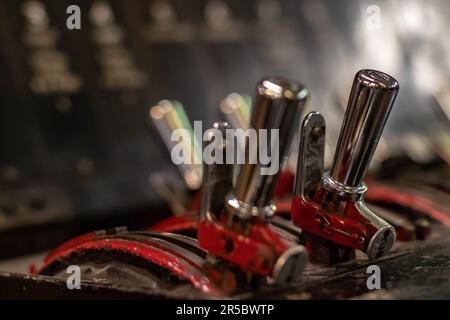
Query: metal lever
point(371, 100)
point(217, 178)
point(331, 206)
point(167, 116)
point(226, 229)
point(278, 104)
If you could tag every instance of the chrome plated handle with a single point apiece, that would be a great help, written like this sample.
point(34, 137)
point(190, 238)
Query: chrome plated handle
point(278, 104)
point(371, 99)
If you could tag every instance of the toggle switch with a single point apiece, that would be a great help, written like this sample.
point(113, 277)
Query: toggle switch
point(329, 206)
point(234, 221)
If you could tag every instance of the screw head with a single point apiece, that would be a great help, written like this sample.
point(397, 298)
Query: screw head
point(290, 265)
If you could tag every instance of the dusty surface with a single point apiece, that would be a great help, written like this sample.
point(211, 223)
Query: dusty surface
point(413, 270)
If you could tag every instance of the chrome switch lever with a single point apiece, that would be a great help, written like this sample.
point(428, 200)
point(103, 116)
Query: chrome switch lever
point(278, 105)
point(331, 205)
point(234, 223)
point(370, 102)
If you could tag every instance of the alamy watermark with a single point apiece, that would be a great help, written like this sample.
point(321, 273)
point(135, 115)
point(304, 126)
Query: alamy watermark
point(373, 282)
point(74, 280)
point(262, 147)
point(73, 21)
point(373, 21)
